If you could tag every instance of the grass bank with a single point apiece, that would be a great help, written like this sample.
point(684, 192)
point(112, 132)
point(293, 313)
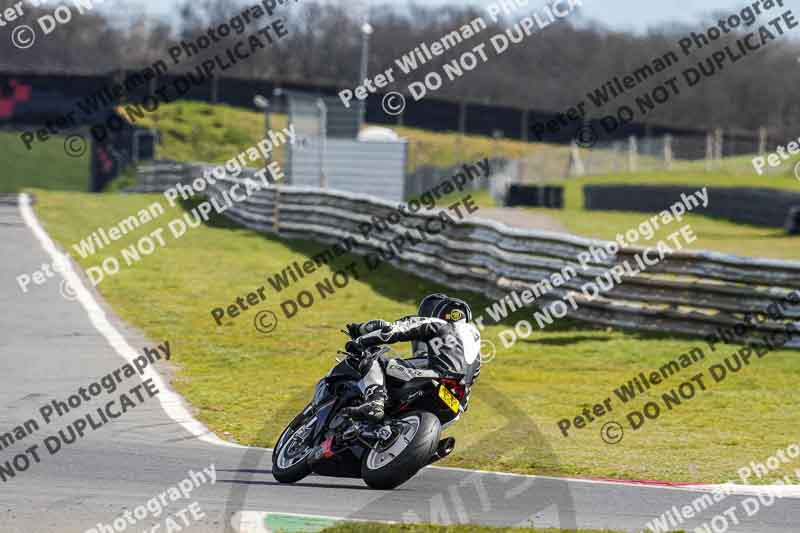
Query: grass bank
point(712, 233)
point(194, 131)
point(249, 384)
point(45, 166)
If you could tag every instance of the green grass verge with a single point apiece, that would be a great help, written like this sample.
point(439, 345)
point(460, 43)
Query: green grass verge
point(248, 385)
point(688, 174)
point(712, 233)
point(194, 131)
point(45, 166)
point(427, 528)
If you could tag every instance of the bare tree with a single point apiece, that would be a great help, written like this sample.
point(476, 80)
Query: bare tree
point(551, 70)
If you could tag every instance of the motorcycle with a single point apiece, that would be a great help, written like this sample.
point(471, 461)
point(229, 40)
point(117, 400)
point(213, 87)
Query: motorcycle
point(322, 441)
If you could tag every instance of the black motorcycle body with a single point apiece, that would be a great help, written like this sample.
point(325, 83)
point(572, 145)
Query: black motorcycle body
point(322, 441)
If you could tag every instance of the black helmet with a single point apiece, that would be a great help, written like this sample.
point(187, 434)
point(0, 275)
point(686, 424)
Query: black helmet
point(442, 306)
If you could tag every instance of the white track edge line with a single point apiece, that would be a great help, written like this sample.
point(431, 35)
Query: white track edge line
point(172, 404)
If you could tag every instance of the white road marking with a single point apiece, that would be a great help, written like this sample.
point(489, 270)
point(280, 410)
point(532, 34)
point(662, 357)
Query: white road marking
point(256, 521)
point(171, 402)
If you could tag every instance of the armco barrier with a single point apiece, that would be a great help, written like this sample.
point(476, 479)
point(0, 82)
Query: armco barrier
point(760, 207)
point(689, 293)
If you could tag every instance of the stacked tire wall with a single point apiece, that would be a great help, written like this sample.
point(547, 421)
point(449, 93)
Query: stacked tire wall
point(755, 206)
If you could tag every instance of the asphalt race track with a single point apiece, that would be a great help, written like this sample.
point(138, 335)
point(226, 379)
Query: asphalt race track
point(49, 348)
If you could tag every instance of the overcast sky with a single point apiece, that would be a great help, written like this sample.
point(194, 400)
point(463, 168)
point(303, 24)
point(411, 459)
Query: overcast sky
point(619, 14)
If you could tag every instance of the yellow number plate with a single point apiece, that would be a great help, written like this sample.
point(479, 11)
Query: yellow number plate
point(448, 398)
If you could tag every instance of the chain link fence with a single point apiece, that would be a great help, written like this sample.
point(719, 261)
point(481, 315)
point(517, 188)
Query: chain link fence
point(715, 151)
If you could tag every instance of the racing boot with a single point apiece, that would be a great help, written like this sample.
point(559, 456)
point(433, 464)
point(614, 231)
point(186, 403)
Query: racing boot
point(372, 409)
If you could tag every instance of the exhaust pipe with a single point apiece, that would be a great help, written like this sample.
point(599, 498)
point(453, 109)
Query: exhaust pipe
point(443, 449)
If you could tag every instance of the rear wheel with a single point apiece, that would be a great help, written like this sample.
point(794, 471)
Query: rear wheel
point(289, 463)
point(398, 459)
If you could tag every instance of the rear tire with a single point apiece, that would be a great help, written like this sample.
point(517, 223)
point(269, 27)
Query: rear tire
point(381, 471)
point(289, 464)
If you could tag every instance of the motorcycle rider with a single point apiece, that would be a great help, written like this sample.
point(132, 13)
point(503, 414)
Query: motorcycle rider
point(443, 340)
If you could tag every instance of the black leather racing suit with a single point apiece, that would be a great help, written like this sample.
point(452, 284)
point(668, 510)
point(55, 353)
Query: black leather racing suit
point(451, 349)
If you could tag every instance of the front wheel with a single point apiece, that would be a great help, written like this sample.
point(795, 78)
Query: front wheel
point(411, 448)
point(289, 464)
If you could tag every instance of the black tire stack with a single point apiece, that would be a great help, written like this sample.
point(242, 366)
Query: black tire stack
point(522, 195)
point(793, 221)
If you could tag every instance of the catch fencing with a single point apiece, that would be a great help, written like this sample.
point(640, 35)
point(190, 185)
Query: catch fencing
point(688, 293)
point(587, 156)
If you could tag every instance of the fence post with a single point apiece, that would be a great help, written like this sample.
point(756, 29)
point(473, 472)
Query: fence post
point(497, 134)
point(576, 167)
point(522, 169)
point(668, 151)
point(762, 141)
point(709, 151)
point(323, 143)
point(462, 130)
point(718, 140)
point(633, 152)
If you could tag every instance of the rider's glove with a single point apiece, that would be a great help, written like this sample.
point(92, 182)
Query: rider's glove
point(354, 348)
point(357, 358)
point(354, 330)
point(357, 330)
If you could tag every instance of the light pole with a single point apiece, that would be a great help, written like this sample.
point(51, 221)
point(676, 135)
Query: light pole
point(323, 145)
point(366, 31)
point(261, 102)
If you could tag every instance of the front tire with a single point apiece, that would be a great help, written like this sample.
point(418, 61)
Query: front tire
point(398, 461)
point(289, 464)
